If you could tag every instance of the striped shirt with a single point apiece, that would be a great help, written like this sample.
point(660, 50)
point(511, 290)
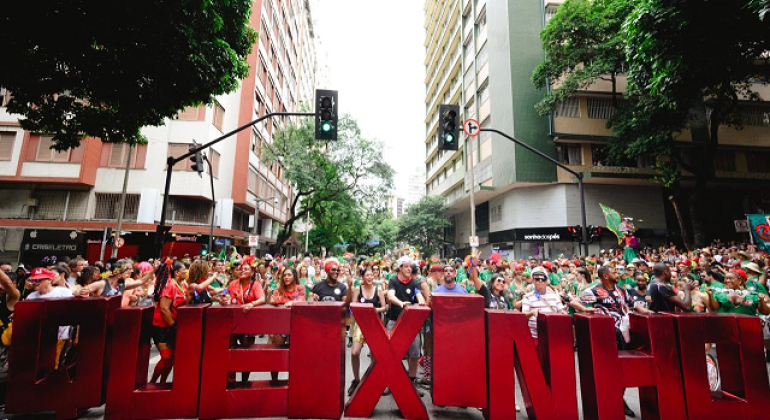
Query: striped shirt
point(546, 303)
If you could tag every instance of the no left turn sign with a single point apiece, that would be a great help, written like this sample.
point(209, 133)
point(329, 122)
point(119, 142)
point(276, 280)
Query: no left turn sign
point(471, 127)
point(119, 242)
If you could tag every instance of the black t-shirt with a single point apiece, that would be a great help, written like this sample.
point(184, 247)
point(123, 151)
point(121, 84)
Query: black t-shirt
point(404, 292)
point(659, 294)
point(639, 299)
point(491, 301)
point(328, 293)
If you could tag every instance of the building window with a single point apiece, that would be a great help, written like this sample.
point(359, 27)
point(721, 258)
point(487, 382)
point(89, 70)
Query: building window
point(256, 143)
point(107, 206)
point(6, 144)
point(496, 213)
point(176, 150)
point(755, 116)
point(568, 107)
point(600, 108)
point(46, 154)
point(188, 114)
point(758, 161)
point(599, 155)
point(725, 161)
point(219, 116)
point(252, 181)
point(571, 154)
point(119, 154)
point(214, 158)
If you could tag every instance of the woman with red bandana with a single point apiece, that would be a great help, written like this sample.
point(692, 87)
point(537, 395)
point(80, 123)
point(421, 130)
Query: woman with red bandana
point(245, 291)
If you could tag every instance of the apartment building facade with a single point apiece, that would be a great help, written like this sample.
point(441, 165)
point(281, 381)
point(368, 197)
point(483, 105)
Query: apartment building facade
point(480, 55)
point(59, 203)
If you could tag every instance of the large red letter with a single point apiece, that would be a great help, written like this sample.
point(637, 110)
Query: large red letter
point(317, 369)
point(605, 372)
point(745, 391)
point(387, 370)
point(129, 396)
point(547, 382)
point(458, 329)
point(33, 383)
point(252, 399)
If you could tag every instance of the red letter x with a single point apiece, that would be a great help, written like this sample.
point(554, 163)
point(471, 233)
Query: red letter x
point(387, 370)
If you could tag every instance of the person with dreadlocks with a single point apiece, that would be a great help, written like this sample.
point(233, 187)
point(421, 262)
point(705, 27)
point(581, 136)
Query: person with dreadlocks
point(245, 290)
point(171, 292)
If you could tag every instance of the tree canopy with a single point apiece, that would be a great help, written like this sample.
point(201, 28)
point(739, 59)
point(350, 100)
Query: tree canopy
point(423, 224)
point(119, 66)
point(337, 183)
point(691, 65)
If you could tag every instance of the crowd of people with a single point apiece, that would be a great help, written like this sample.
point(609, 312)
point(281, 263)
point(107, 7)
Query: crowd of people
point(720, 278)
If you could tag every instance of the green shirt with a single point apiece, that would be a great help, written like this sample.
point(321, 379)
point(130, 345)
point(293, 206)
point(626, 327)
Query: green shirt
point(553, 279)
point(627, 283)
point(753, 285)
point(747, 306)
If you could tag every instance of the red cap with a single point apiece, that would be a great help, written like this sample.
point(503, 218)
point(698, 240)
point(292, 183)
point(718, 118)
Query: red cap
point(741, 273)
point(547, 265)
point(684, 262)
point(436, 268)
point(565, 263)
point(41, 273)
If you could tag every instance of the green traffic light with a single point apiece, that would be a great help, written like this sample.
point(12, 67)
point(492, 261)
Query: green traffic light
point(449, 138)
point(326, 126)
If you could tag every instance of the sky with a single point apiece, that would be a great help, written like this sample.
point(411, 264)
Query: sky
point(374, 53)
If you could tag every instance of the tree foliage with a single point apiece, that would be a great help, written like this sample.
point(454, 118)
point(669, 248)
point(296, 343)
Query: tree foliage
point(333, 181)
point(423, 224)
point(119, 66)
point(691, 65)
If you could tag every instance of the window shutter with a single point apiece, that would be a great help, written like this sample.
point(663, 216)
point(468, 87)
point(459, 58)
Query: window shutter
point(116, 156)
point(44, 149)
point(6, 145)
point(215, 163)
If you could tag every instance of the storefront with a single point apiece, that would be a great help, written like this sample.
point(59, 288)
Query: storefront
point(46, 247)
point(548, 243)
point(143, 245)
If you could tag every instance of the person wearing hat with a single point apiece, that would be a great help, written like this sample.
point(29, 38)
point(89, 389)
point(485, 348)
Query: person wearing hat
point(735, 298)
point(403, 291)
point(756, 278)
point(743, 258)
point(41, 279)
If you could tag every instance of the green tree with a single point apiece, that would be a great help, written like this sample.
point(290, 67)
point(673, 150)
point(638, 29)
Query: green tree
point(119, 66)
point(423, 224)
point(330, 180)
point(692, 64)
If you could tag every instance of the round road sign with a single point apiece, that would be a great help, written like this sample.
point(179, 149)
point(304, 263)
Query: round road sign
point(119, 242)
point(471, 127)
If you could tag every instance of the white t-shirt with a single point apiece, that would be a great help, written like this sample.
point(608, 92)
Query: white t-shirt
point(55, 293)
point(311, 271)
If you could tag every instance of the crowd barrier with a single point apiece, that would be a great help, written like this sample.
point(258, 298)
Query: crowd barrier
point(478, 355)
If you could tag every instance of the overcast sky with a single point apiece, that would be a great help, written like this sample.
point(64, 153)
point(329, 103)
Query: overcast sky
point(374, 52)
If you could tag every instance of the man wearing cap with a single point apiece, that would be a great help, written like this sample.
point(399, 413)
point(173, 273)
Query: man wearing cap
point(41, 282)
point(403, 291)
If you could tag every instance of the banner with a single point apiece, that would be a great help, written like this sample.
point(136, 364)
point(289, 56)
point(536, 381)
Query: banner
point(760, 230)
point(613, 219)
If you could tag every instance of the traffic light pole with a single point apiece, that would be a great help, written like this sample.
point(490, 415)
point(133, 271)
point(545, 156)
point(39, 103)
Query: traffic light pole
point(213, 205)
point(160, 240)
point(578, 175)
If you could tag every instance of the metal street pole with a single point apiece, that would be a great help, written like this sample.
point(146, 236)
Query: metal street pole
point(307, 231)
point(471, 166)
point(213, 203)
point(578, 175)
point(160, 240)
point(122, 203)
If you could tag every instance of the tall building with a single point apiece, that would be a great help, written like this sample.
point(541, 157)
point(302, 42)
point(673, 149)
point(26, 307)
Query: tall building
point(416, 187)
point(480, 55)
point(59, 203)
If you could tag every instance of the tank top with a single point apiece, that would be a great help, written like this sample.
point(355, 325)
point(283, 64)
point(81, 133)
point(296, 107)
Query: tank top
point(5, 313)
point(374, 300)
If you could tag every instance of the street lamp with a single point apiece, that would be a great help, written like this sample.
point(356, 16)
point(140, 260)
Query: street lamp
point(256, 217)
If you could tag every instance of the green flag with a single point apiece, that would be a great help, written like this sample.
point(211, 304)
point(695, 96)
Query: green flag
point(759, 225)
point(613, 220)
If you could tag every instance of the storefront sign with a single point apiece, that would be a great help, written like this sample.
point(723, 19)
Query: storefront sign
point(46, 246)
point(186, 238)
point(668, 364)
point(553, 234)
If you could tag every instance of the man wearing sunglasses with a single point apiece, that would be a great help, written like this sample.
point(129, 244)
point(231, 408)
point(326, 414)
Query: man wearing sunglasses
point(40, 279)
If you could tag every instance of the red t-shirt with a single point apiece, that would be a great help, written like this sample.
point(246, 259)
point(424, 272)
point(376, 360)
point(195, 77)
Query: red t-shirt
point(176, 294)
point(240, 295)
point(298, 295)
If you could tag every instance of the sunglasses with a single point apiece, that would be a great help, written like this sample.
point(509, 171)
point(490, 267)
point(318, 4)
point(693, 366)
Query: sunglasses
point(499, 281)
point(334, 270)
point(539, 279)
point(35, 281)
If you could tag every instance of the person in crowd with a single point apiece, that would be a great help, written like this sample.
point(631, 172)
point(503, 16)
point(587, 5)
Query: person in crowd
point(663, 294)
point(403, 291)
point(62, 272)
point(246, 291)
point(613, 301)
point(366, 293)
point(75, 267)
point(450, 282)
point(9, 296)
point(305, 281)
point(540, 300)
point(286, 294)
point(494, 293)
point(115, 282)
point(639, 294)
point(219, 280)
point(171, 292)
point(331, 290)
point(199, 280)
point(42, 279)
point(756, 278)
point(736, 299)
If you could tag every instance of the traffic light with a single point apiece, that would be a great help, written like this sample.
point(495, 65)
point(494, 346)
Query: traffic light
point(162, 230)
point(448, 128)
point(326, 114)
point(576, 232)
point(595, 233)
point(197, 160)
